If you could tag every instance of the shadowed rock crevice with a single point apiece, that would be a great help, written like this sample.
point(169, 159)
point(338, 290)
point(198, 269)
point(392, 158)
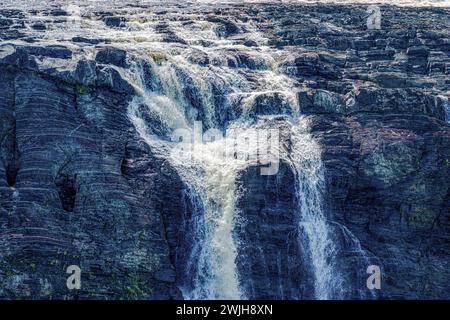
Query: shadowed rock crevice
point(9, 151)
point(12, 166)
point(11, 175)
point(67, 191)
point(65, 178)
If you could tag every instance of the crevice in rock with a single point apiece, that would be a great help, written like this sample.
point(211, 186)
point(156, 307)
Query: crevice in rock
point(124, 162)
point(11, 175)
point(12, 165)
point(8, 144)
point(66, 190)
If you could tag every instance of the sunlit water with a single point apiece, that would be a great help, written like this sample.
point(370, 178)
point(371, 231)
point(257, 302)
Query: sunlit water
point(211, 169)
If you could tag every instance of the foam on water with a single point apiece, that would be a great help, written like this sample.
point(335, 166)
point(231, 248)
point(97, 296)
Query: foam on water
point(107, 3)
point(209, 171)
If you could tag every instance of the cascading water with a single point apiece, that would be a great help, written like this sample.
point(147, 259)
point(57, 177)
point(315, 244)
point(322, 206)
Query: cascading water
point(184, 72)
point(212, 173)
point(447, 111)
point(203, 170)
point(306, 159)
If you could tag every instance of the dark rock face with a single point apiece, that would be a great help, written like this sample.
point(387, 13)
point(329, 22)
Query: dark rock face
point(269, 104)
point(225, 27)
point(114, 22)
point(388, 184)
point(114, 56)
point(79, 186)
point(67, 179)
point(268, 237)
point(54, 51)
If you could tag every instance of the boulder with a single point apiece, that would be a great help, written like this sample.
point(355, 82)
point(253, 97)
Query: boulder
point(114, 56)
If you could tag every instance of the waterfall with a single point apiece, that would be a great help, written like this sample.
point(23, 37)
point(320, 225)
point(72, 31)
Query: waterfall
point(313, 226)
point(203, 169)
point(206, 169)
point(447, 111)
point(364, 260)
point(212, 173)
point(172, 93)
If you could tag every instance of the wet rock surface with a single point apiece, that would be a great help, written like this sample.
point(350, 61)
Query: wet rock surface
point(79, 186)
point(268, 235)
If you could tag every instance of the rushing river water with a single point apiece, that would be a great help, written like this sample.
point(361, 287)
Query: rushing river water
point(209, 171)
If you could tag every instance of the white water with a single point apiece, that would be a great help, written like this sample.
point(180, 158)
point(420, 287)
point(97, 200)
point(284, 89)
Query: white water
point(306, 159)
point(447, 111)
point(203, 169)
point(213, 180)
point(108, 3)
point(210, 168)
point(206, 169)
